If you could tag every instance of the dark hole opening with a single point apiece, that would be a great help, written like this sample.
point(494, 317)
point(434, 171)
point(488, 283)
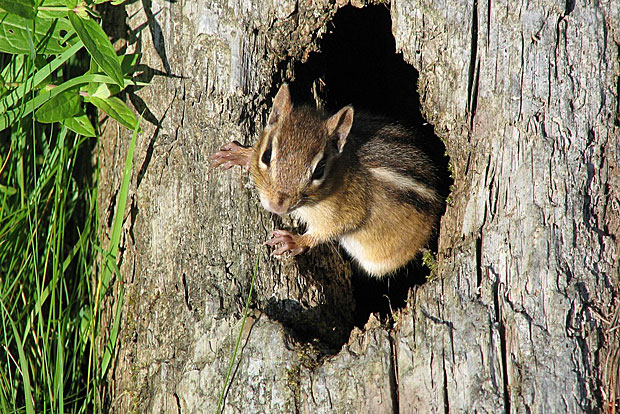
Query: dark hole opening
point(358, 64)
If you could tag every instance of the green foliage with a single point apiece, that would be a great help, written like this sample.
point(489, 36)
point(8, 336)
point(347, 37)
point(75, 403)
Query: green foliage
point(47, 238)
point(51, 288)
point(116, 109)
point(29, 84)
point(46, 36)
point(430, 261)
point(63, 106)
point(109, 267)
point(98, 46)
point(21, 8)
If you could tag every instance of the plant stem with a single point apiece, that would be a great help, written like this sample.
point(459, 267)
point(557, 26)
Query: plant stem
point(232, 360)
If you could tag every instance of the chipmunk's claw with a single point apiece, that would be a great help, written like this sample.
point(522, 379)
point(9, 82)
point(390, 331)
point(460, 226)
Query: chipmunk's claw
point(230, 155)
point(290, 243)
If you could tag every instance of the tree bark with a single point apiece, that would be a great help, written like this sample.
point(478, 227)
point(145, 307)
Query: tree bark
point(520, 315)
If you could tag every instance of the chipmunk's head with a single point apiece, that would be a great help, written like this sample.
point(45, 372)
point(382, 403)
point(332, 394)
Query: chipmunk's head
point(293, 159)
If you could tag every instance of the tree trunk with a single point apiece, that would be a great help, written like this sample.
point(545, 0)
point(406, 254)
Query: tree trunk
point(519, 316)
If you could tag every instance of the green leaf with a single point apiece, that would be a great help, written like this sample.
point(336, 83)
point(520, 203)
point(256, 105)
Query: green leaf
point(98, 45)
point(62, 106)
point(7, 190)
point(102, 90)
point(7, 117)
point(39, 77)
point(117, 109)
point(81, 125)
point(129, 62)
point(50, 36)
point(22, 8)
point(52, 9)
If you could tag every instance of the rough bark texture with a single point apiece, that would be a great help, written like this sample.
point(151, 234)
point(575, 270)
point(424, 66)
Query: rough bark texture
point(519, 316)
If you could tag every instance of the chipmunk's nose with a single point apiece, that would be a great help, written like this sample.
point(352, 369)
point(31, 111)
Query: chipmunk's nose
point(278, 205)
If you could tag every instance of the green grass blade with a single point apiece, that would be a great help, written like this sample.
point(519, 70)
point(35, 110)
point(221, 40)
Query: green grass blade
point(111, 345)
point(234, 355)
point(23, 362)
point(59, 373)
point(117, 223)
point(11, 99)
point(11, 116)
point(110, 260)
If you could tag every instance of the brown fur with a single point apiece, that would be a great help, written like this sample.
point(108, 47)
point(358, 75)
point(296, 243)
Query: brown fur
point(378, 195)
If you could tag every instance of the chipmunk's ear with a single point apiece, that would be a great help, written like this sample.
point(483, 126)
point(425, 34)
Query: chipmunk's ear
point(281, 105)
point(340, 125)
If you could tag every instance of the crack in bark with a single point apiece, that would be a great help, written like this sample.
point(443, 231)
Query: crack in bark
point(488, 22)
point(178, 401)
point(393, 374)
point(472, 76)
point(474, 96)
point(489, 178)
point(186, 292)
point(446, 400)
point(502, 339)
point(522, 74)
point(479, 262)
point(151, 146)
point(585, 399)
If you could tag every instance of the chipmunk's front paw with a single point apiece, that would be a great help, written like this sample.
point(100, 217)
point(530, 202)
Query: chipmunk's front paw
point(293, 243)
point(232, 154)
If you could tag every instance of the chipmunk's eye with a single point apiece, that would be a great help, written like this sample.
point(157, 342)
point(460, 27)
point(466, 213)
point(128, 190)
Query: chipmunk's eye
point(319, 170)
point(266, 158)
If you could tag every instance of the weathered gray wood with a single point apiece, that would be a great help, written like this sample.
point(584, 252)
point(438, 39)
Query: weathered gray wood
point(527, 258)
point(525, 97)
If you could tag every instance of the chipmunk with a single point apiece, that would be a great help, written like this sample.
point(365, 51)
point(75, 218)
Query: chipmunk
point(359, 179)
